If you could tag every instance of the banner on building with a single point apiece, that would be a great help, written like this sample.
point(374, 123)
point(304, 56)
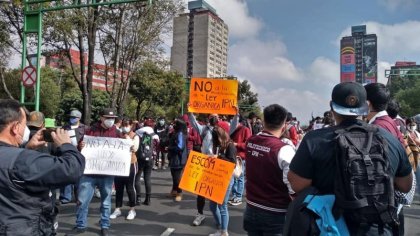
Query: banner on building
point(107, 156)
point(213, 96)
point(206, 176)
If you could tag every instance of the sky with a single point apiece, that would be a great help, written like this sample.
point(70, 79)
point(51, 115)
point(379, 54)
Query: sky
point(289, 49)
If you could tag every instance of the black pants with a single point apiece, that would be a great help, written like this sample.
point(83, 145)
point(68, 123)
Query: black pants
point(146, 168)
point(127, 182)
point(160, 154)
point(176, 178)
point(201, 201)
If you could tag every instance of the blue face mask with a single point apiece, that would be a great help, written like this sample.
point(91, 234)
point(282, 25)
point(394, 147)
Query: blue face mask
point(74, 121)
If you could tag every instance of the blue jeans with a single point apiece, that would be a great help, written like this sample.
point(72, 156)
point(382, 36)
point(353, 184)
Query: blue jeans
point(259, 222)
point(66, 193)
point(239, 183)
point(85, 193)
point(220, 212)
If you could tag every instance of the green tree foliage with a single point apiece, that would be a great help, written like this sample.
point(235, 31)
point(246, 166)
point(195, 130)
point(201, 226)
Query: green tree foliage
point(406, 89)
point(153, 86)
point(409, 99)
point(247, 100)
point(50, 90)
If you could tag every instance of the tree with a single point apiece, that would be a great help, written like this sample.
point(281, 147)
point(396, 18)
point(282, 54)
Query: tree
point(409, 100)
point(247, 100)
point(153, 86)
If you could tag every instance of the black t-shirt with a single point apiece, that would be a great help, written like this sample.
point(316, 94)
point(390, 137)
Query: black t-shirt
point(315, 157)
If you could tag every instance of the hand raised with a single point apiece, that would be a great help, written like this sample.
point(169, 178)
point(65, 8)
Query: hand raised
point(60, 137)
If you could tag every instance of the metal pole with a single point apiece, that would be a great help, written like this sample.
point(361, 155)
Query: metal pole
point(38, 64)
point(22, 88)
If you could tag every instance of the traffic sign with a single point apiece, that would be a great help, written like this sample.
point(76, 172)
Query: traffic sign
point(29, 76)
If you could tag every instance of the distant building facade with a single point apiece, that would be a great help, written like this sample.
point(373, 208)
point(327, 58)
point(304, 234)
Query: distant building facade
point(200, 42)
point(402, 69)
point(99, 81)
point(359, 56)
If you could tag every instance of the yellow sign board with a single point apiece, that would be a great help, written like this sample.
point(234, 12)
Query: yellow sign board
point(213, 96)
point(206, 176)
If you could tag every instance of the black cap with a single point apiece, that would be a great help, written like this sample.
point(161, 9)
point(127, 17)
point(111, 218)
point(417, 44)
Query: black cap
point(349, 99)
point(108, 112)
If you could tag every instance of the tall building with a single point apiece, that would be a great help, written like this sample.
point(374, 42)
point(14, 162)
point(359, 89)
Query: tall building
point(358, 56)
point(200, 42)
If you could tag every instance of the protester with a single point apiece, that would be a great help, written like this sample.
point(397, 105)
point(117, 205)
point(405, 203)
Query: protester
point(393, 110)
point(77, 130)
point(378, 97)
point(267, 164)
point(104, 128)
point(162, 130)
point(127, 181)
point(146, 154)
point(177, 156)
point(224, 149)
point(239, 137)
point(26, 176)
point(414, 135)
point(318, 151)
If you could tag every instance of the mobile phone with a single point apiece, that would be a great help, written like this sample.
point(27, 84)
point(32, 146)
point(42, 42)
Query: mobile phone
point(47, 135)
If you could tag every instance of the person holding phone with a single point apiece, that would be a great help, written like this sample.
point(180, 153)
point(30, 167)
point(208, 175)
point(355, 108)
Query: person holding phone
point(26, 176)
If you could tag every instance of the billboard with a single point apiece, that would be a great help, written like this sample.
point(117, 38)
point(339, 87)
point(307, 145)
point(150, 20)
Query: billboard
point(347, 60)
point(369, 57)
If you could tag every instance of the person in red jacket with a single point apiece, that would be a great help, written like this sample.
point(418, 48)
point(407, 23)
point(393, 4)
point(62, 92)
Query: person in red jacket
point(239, 137)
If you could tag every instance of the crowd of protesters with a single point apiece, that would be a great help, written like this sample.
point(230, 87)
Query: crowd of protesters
point(275, 144)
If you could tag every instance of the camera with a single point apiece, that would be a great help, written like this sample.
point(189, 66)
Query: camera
point(47, 135)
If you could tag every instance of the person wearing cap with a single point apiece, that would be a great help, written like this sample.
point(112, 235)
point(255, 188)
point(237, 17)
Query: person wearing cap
point(76, 129)
point(26, 175)
point(104, 128)
point(317, 152)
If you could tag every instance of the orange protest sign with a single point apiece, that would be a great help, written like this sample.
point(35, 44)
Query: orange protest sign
point(206, 176)
point(213, 96)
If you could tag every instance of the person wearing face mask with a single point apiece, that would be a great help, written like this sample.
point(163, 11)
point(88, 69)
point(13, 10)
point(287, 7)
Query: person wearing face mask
point(414, 141)
point(127, 181)
point(76, 129)
point(26, 176)
point(162, 130)
point(104, 128)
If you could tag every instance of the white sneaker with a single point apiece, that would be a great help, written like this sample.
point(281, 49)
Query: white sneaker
point(198, 219)
point(97, 193)
point(115, 214)
point(131, 215)
point(219, 233)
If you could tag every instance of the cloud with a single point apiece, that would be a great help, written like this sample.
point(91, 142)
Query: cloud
point(263, 60)
point(395, 41)
point(236, 15)
point(277, 79)
point(382, 66)
point(393, 5)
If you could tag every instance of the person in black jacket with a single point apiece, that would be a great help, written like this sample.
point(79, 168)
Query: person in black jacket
point(26, 176)
point(224, 149)
point(177, 156)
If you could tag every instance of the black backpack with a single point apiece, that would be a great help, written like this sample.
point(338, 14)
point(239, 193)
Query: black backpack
point(146, 147)
point(364, 185)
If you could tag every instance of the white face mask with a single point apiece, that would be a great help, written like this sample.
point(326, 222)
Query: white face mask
point(161, 122)
point(412, 127)
point(126, 130)
point(26, 134)
point(109, 123)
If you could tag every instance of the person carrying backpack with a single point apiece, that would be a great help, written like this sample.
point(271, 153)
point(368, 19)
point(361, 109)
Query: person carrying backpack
point(365, 163)
point(145, 156)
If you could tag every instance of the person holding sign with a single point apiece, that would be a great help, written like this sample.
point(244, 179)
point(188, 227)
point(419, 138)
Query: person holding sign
point(104, 128)
point(127, 181)
point(223, 148)
point(267, 164)
point(177, 155)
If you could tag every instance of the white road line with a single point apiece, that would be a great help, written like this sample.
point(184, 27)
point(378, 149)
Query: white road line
point(168, 232)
